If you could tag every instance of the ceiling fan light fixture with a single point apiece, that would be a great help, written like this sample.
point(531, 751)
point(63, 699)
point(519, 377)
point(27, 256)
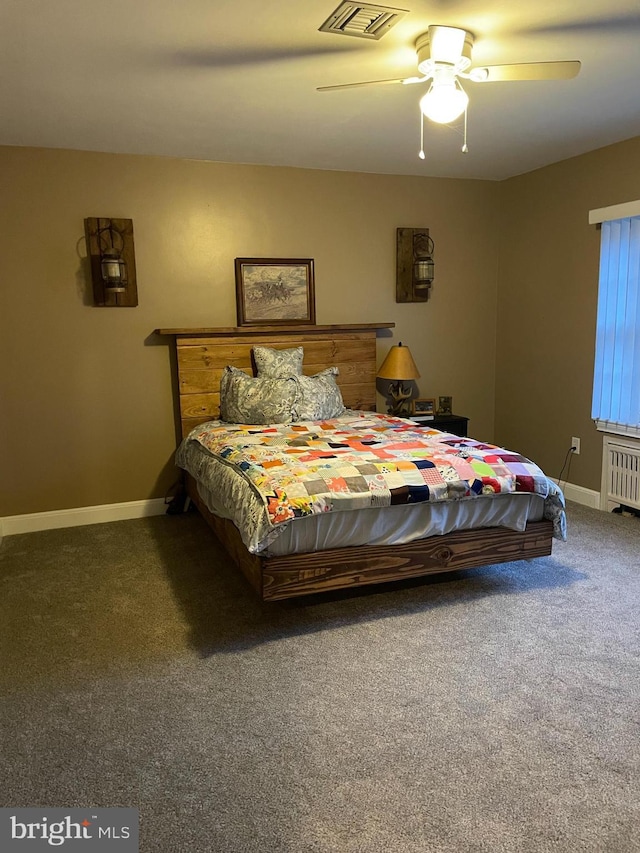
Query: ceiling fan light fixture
point(440, 46)
point(444, 102)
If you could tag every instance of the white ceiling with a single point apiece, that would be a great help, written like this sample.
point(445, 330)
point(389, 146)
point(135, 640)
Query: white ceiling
point(235, 81)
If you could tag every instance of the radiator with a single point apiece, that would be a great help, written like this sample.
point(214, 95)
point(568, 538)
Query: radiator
point(620, 473)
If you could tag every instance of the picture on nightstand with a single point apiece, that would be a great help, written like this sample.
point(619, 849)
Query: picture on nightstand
point(445, 405)
point(424, 406)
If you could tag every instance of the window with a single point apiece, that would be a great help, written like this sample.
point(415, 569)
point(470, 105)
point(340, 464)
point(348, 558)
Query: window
point(616, 383)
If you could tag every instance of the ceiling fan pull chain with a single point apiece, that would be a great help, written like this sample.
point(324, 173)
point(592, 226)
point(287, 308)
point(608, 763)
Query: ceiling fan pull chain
point(465, 147)
point(421, 151)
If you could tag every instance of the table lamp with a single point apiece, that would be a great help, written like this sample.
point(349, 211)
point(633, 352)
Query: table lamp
point(399, 366)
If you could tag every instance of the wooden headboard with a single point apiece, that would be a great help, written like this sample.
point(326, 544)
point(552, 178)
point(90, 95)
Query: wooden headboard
point(203, 354)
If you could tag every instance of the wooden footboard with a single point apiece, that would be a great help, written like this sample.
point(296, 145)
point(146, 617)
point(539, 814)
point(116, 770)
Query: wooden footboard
point(276, 578)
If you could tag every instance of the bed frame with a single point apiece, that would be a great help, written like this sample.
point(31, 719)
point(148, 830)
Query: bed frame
point(200, 357)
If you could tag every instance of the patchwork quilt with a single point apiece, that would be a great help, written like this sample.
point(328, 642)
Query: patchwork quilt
point(365, 459)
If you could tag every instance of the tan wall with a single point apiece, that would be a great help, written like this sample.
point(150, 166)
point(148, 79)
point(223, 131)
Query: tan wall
point(86, 412)
point(547, 298)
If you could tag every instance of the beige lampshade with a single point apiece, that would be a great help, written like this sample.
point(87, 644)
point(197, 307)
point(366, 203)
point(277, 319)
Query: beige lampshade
point(398, 364)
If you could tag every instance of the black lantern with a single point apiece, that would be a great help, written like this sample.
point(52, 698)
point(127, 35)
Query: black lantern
point(423, 266)
point(114, 271)
point(112, 267)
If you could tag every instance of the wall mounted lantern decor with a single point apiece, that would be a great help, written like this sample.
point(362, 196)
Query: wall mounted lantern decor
point(113, 265)
point(414, 264)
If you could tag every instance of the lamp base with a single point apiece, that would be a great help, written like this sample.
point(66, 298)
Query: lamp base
point(401, 400)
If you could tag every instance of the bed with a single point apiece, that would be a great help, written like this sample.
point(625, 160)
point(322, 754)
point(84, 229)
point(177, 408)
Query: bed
point(310, 549)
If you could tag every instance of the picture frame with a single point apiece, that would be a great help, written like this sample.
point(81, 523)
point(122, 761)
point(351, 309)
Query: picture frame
point(424, 406)
point(275, 291)
point(445, 405)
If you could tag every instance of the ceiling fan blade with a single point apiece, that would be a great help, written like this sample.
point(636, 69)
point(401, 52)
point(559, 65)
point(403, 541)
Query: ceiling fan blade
point(526, 71)
point(371, 83)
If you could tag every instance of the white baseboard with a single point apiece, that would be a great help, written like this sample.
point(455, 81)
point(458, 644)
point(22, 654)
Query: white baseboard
point(586, 497)
point(12, 524)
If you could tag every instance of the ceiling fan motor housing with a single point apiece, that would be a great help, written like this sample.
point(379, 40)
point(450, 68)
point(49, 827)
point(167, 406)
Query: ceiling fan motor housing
point(444, 46)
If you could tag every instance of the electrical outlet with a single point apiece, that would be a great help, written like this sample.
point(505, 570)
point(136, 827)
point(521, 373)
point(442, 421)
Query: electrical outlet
point(575, 444)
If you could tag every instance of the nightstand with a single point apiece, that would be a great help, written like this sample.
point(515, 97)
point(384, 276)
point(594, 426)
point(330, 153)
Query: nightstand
point(456, 424)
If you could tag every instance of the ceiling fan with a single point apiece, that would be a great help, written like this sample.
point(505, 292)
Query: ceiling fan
point(444, 56)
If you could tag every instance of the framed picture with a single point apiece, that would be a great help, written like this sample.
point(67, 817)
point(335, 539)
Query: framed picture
point(424, 406)
point(275, 291)
point(445, 405)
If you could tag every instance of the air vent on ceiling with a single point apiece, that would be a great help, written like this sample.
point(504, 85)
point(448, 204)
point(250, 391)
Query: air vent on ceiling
point(362, 21)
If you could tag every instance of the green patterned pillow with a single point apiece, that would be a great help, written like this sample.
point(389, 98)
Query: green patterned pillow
point(248, 400)
point(319, 397)
point(278, 363)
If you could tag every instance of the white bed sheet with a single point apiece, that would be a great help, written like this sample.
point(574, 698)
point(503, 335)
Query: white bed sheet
point(394, 525)
point(390, 525)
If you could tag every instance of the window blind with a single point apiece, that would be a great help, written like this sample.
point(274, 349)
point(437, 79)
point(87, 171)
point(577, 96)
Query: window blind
point(616, 386)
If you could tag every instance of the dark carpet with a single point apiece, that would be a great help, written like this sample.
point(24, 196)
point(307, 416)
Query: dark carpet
point(491, 710)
